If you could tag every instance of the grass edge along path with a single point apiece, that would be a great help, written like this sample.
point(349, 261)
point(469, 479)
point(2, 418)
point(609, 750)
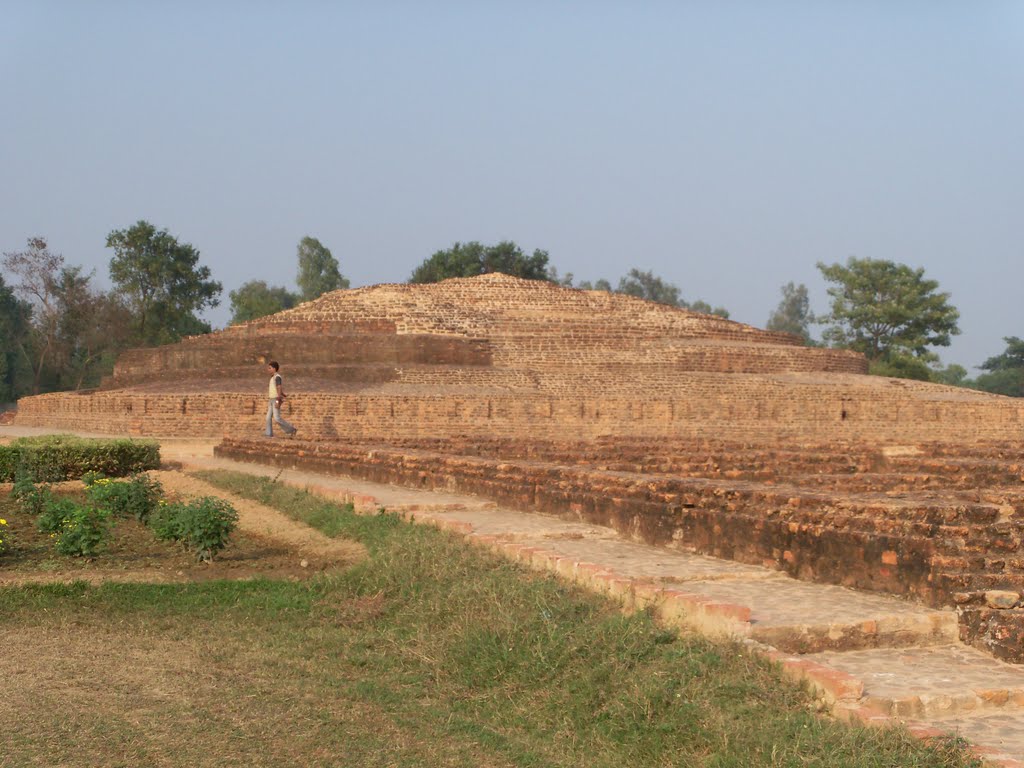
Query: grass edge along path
point(429, 652)
point(595, 617)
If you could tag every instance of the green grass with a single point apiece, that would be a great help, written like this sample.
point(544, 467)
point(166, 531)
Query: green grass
point(430, 652)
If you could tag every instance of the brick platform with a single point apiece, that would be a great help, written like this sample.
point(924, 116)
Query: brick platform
point(945, 529)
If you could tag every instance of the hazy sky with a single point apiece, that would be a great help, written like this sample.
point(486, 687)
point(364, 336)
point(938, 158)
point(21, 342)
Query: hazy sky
point(728, 146)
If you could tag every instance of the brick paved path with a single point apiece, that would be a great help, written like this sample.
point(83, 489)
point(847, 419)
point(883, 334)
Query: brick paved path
point(870, 657)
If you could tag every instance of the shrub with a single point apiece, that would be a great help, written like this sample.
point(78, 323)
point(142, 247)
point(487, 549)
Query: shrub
point(136, 498)
point(165, 521)
point(54, 458)
point(91, 478)
point(30, 498)
point(55, 511)
point(84, 532)
point(78, 530)
point(202, 525)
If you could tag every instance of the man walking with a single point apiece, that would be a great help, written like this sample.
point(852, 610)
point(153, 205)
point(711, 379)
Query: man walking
point(276, 396)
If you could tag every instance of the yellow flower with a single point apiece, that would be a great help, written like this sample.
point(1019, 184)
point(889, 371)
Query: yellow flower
point(2, 521)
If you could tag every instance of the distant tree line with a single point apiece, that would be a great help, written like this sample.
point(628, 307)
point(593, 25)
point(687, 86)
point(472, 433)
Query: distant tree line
point(58, 331)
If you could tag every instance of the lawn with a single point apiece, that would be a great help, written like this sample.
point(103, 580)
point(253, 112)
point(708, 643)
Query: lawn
point(429, 652)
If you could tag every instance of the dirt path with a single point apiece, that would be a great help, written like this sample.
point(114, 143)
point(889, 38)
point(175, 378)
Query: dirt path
point(316, 548)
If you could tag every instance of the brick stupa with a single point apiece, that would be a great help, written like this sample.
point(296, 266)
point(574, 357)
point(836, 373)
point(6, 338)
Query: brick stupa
point(499, 356)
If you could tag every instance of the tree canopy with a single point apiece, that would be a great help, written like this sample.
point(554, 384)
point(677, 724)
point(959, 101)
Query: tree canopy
point(162, 282)
point(39, 272)
point(473, 258)
point(256, 299)
point(793, 315)
point(319, 272)
point(1005, 372)
point(647, 285)
point(14, 335)
point(886, 310)
point(68, 331)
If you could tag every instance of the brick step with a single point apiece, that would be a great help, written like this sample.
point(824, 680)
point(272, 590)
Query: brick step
point(917, 682)
point(902, 482)
point(690, 453)
point(893, 631)
point(977, 581)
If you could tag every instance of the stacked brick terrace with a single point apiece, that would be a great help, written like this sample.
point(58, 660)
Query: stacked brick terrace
point(499, 356)
point(938, 524)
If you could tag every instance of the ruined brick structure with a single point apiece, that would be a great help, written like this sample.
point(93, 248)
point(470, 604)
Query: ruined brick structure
point(675, 427)
point(496, 356)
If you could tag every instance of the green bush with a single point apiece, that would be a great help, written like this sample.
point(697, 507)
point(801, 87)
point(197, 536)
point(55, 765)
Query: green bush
point(137, 497)
point(55, 512)
point(165, 522)
point(54, 458)
point(202, 525)
point(77, 530)
point(30, 498)
point(84, 532)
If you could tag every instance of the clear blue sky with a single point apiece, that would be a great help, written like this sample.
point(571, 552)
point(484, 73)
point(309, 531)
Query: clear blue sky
point(727, 146)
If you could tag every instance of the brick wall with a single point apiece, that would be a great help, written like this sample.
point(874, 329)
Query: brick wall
point(724, 406)
point(948, 541)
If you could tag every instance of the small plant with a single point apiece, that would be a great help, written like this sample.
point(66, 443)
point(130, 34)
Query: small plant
point(5, 536)
point(91, 478)
point(137, 497)
point(55, 511)
point(165, 522)
point(84, 532)
point(77, 530)
point(30, 498)
point(203, 525)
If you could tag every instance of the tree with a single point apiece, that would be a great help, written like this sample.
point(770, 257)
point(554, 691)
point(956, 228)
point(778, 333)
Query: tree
point(1006, 371)
point(886, 310)
point(318, 270)
point(162, 283)
point(15, 317)
point(94, 326)
point(473, 258)
point(598, 285)
point(256, 299)
point(646, 285)
point(38, 270)
point(954, 375)
point(902, 365)
point(702, 306)
point(793, 315)
point(70, 332)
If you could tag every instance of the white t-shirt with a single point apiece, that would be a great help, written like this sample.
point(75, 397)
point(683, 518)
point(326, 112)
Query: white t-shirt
point(275, 384)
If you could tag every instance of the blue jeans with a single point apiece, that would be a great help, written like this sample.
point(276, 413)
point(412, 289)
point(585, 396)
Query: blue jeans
point(274, 414)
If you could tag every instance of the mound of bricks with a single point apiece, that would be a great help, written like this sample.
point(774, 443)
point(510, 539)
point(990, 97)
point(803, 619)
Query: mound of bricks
point(497, 356)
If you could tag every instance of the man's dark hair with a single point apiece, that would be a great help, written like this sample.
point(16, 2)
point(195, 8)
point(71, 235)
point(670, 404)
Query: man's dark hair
point(273, 364)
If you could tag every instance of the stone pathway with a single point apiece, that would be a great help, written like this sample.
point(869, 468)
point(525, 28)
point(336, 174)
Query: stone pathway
point(871, 657)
